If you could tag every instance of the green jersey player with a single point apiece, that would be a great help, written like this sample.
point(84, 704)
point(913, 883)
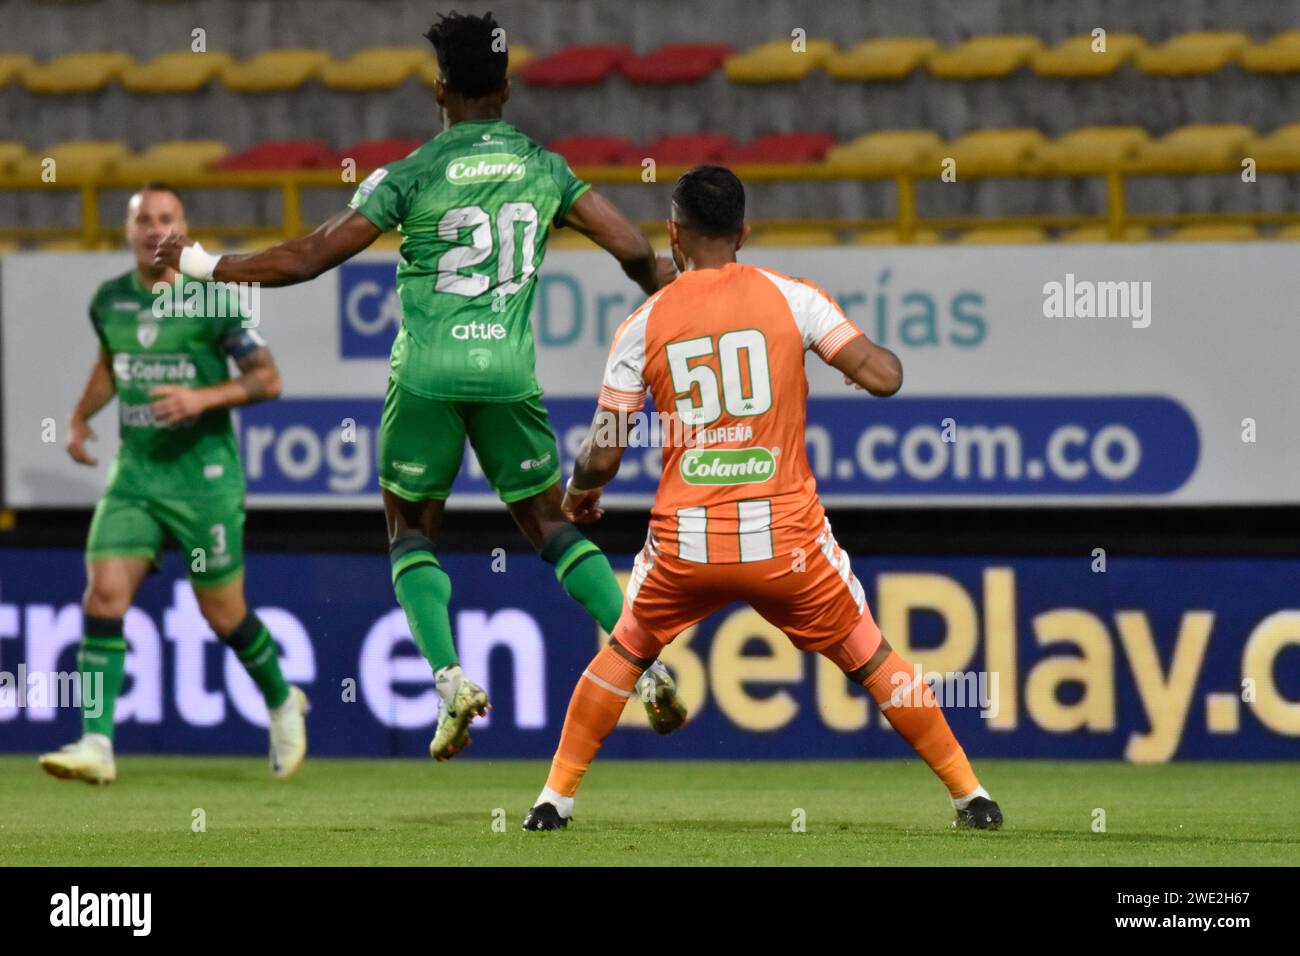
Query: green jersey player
point(474, 207)
point(165, 355)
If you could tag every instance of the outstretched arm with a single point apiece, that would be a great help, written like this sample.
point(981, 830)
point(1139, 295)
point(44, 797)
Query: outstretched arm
point(286, 263)
point(600, 221)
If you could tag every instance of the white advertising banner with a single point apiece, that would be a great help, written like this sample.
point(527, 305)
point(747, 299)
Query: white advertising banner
point(1081, 374)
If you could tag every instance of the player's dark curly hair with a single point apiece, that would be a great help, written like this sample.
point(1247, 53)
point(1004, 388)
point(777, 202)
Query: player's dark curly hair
point(710, 201)
point(471, 53)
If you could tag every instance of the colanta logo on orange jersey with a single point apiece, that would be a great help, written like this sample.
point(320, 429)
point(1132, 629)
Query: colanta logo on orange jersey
point(728, 466)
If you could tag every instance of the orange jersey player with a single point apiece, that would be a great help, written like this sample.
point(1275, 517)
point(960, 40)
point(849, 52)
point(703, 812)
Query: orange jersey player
point(736, 516)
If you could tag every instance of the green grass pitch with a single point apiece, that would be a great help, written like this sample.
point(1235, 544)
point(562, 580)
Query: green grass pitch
point(412, 812)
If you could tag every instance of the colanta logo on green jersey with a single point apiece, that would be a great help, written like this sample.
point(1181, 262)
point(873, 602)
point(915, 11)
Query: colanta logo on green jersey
point(727, 466)
point(488, 168)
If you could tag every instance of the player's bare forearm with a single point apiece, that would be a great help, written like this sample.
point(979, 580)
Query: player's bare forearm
point(601, 452)
point(300, 260)
point(98, 392)
point(286, 263)
point(870, 366)
point(260, 382)
point(600, 221)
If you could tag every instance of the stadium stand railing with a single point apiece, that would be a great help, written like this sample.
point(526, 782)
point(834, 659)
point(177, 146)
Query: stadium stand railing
point(905, 158)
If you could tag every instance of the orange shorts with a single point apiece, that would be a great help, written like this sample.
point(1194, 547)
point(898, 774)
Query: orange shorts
point(816, 601)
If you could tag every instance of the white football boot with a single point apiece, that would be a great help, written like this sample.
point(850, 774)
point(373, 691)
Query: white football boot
point(89, 759)
point(288, 734)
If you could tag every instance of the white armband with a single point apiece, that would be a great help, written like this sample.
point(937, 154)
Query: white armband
point(198, 263)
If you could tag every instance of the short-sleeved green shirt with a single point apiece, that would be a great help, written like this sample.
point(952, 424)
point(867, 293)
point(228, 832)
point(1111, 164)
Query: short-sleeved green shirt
point(474, 206)
point(184, 338)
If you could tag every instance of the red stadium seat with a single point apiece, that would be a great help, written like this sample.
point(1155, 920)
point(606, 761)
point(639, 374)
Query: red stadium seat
point(373, 153)
point(784, 148)
point(596, 150)
point(577, 65)
point(280, 154)
point(690, 149)
point(677, 63)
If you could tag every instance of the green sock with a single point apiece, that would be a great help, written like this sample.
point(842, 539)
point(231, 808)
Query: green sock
point(424, 591)
point(102, 663)
point(252, 644)
point(584, 572)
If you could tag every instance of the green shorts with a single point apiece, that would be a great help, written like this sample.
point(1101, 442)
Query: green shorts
point(210, 531)
point(422, 442)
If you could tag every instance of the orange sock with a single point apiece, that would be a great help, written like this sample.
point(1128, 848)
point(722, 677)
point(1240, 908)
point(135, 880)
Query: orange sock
point(598, 700)
point(909, 705)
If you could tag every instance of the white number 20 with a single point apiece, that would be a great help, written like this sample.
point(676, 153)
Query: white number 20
point(452, 276)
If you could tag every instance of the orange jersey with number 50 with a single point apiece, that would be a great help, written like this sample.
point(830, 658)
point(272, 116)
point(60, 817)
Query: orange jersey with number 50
point(722, 352)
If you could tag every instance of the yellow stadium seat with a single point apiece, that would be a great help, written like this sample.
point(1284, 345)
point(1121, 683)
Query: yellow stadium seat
point(983, 57)
point(1131, 233)
point(1291, 232)
point(12, 66)
point(887, 58)
point(1002, 236)
point(777, 62)
point(175, 158)
point(1281, 54)
point(1214, 232)
point(180, 71)
point(1193, 149)
point(1092, 149)
point(520, 57)
point(78, 160)
point(274, 70)
point(885, 152)
point(75, 72)
point(1192, 54)
point(1076, 56)
point(13, 155)
point(793, 236)
point(8, 245)
point(988, 152)
point(381, 68)
point(890, 237)
point(1279, 151)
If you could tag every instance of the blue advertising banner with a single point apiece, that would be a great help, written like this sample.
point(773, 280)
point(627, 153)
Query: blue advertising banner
point(1021, 446)
point(1145, 659)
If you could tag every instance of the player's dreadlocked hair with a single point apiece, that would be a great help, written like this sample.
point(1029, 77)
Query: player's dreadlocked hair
point(710, 201)
point(471, 53)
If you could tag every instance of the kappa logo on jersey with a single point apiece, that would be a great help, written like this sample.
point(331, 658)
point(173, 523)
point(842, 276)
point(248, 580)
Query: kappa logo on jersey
point(488, 168)
point(728, 466)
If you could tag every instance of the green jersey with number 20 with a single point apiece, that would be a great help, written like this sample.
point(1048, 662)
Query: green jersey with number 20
point(474, 206)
